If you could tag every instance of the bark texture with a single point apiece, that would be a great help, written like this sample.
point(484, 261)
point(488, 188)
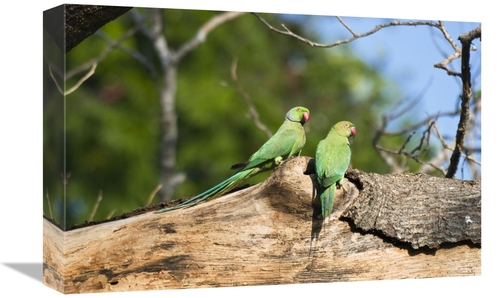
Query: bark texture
point(70, 24)
point(383, 227)
point(419, 209)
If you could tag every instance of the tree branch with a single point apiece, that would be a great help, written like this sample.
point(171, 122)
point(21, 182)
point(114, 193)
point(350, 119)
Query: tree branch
point(466, 156)
point(202, 33)
point(354, 34)
point(132, 52)
point(254, 115)
point(92, 63)
point(466, 40)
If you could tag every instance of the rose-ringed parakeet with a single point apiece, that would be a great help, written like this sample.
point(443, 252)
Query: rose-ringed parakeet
point(288, 141)
point(333, 156)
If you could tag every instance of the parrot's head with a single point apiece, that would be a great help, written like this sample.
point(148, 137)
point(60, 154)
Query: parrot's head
point(298, 114)
point(345, 129)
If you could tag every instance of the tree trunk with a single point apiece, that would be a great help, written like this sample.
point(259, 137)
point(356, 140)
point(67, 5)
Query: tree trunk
point(383, 227)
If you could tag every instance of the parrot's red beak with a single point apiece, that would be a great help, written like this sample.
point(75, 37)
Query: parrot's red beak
point(353, 131)
point(305, 117)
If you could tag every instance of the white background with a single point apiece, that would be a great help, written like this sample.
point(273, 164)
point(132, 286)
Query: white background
point(21, 148)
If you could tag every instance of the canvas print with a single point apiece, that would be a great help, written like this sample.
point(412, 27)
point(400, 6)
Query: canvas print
point(196, 148)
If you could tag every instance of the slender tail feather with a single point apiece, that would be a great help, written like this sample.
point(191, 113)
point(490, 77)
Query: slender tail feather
point(213, 192)
point(327, 197)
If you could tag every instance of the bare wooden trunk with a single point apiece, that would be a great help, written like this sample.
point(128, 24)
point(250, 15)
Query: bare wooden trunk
point(383, 227)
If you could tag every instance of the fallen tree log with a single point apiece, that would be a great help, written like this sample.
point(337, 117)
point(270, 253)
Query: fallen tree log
point(383, 227)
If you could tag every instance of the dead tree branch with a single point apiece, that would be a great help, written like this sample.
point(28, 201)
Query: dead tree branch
point(390, 156)
point(201, 35)
point(417, 152)
point(355, 35)
point(89, 67)
point(254, 114)
point(439, 25)
point(466, 40)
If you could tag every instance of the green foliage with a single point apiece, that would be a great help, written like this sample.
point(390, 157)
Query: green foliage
point(113, 120)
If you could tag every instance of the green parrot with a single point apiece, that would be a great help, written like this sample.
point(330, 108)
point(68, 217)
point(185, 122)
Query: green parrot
point(288, 141)
point(333, 156)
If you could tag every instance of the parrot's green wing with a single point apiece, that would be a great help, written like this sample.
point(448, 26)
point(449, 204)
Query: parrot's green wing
point(333, 156)
point(337, 156)
point(286, 142)
point(332, 160)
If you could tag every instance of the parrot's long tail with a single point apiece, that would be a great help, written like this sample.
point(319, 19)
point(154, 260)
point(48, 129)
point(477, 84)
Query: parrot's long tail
point(327, 197)
point(215, 191)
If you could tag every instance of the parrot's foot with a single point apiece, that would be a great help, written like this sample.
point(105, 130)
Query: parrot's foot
point(278, 160)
